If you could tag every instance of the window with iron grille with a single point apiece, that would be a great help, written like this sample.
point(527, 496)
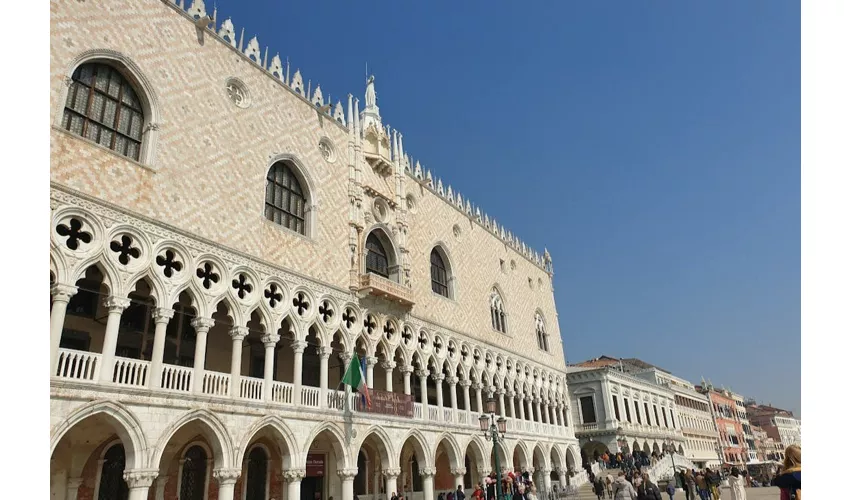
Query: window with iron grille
point(439, 276)
point(285, 199)
point(103, 107)
point(194, 474)
point(112, 485)
point(376, 257)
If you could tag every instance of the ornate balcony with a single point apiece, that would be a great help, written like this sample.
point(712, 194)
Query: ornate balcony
point(381, 287)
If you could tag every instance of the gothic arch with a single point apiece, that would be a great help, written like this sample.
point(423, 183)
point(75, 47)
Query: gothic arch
point(451, 277)
point(216, 433)
point(289, 451)
point(337, 441)
point(145, 91)
point(383, 233)
point(420, 447)
point(127, 427)
point(455, 454)
point(522, 450)
point(389, 458)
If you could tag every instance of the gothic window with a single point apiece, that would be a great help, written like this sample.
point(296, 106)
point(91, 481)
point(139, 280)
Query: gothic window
point(285, 198)
point(542, 336)
point(103, 107)
point(439, 275)
point(258, 467)
point(193, 477)
point(497, 312)
point(112, 485)
point(376, 257)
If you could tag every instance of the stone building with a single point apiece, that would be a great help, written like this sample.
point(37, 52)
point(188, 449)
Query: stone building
point(224, 241)
point(730, 426)
point(615, 410)
point(779, 424)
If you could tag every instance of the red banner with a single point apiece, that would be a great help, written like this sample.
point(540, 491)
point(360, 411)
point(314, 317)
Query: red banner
point(315, 465)
point(388, 403)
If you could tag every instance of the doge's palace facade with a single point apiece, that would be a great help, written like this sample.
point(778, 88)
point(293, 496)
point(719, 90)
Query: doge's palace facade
point(224, 240)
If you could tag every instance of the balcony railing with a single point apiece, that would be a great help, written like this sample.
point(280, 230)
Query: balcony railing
point(85, 367)
point(382, 287)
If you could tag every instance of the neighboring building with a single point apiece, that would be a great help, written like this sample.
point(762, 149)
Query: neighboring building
point(224, 241)
point(694, 415)
point(617, 411)
point(741, 415)
point(733, 446)
point(781, 425)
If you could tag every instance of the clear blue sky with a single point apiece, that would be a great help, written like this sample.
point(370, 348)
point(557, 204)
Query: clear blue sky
point(653, 147)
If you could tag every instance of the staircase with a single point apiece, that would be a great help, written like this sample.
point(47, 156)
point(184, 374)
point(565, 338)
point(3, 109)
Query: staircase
point(663, 470)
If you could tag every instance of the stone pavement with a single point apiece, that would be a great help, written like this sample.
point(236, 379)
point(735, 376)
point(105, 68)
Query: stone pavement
point(770, 493)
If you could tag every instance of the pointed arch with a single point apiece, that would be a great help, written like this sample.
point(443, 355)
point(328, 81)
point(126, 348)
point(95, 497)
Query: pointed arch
point(389, 457)
point(338, 442)
point(216, 434)
point(420, 447)
point(378, 238)
point(521, 450)
point(289, 451)
point(306, 188)
point(539, 453)
point(442, 271)
point(158, 292)
point(110, 275)
point(454, 451)
point(127, 426)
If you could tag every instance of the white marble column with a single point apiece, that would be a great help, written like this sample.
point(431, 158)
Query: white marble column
point(371, 361)
point(161, 317)
point(72, 487)
point(423, 386)
point(544, 411)
point(139, 482)
point(539, 412)
point(324, 355)
point(269, 343)
point(465, 384)
point(293, 479)
point(405, 372)
point(458, 475)
point(510, 409)
point(478, 402)
point(388, 367)
point(428, 474)
point(547, 483)
point(161, 482)
point(438, 381)
point(452, 381)
point(298, 347)
point(202, 327)
point(61, 296)
point(520, 401)
point(562, 478)
point(391, 481)
point(501, 393)
point(529, 408)
point(226, 481)
point(237, 335)
point(116, 306)
point(347, 477)
point(553, 418)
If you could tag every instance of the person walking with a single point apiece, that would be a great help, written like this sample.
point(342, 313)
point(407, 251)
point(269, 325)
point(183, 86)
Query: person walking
point(789, 478)
point(623, 490)
point(648, 490)
point(478, 494)
point(671, 488)
point(690, 485)
point(599, 488)
point(609, 484)
point(737, 482)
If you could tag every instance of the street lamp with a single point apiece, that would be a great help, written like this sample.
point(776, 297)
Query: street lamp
point(494, 429)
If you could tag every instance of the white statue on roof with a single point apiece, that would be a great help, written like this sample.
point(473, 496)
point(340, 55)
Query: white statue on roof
point(371, 99)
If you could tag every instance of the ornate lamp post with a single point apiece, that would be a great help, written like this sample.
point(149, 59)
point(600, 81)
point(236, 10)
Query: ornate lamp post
point(494, 430)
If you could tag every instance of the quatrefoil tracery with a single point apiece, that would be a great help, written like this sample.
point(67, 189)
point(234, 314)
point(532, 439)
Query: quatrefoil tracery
point(206, 273)
point(125, 249)
point(300, 303)
point(369, 324)
point(74, 233)
point(169, 263)
point(349, 317)
point(242, 286)
point(326, 311)
point(272, 293)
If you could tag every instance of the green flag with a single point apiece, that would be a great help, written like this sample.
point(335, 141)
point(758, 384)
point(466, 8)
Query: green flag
point(355, 378)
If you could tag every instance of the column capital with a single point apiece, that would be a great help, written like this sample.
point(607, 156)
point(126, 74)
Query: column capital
point(298, 346)
point(428, 471)
point(326, 351)
point(293, 475)
point(200, 323)
point(406, 369)
point(345, 357)
point(140, 478)
point(392, 472)
point(560, 471)
point(238, 333)
point(227, 476)
point(162, 314)
point(346, 474)
point(460, 471)
point(451, 380)
point(116, 304)
point(545, 471)
point(371, 361)
point(270, 339)
point(438, 377)
point(63, 293)
point(500, 392)
point(388, 365)
point(465, 383)
point(511, 394)
point(478, 386)
point(422, 373)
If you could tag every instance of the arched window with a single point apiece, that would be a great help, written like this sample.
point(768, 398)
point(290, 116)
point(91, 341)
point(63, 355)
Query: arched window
point(285, 199)
point(376, 256)
point(439, 275)
point(112, 485)
point(193, 478)
point(257, 480)
point(542, 336)
point(103, 107)
point(497, 312)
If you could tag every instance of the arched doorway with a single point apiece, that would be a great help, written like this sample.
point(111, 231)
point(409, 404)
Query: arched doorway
point(325, 455)
point(373, 458)
point(412, 461)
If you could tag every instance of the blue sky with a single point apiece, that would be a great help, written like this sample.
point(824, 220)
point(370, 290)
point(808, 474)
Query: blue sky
point(653, 147)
